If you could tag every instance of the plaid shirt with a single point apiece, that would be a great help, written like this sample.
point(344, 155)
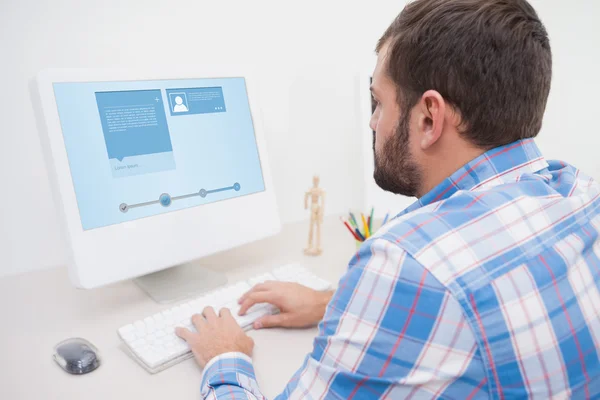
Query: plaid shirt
point(487, 287)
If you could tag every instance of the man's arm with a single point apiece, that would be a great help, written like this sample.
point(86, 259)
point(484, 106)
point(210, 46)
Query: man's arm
point(223, 349)
point(230, 376)
point(391, 329)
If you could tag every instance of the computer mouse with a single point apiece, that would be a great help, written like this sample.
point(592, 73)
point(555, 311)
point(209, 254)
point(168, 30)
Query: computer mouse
point(77, 356)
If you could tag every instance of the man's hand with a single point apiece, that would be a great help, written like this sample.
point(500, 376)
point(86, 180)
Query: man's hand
point(216, 335)
point(299, 306)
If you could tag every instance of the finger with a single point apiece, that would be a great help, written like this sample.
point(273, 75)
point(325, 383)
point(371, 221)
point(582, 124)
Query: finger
point(253, 298)
point(271, 321)
point(209, 314)
point(224, 313)
point(227, 318)
point(261, 287)
point(198, 320)
point(184, 333)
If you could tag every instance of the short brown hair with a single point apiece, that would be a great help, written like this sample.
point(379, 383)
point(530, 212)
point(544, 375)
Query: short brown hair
point(489, 59)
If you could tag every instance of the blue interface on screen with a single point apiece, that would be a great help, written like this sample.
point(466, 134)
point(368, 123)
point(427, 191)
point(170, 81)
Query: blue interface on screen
point(142, 148)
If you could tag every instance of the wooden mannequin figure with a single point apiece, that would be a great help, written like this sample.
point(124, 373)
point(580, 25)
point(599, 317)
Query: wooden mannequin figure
point(317, 208)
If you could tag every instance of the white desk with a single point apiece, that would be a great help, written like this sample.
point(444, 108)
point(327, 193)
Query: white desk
point(40, 309)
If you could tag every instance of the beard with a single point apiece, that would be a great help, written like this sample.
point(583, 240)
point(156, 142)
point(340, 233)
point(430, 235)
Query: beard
point(395, 168)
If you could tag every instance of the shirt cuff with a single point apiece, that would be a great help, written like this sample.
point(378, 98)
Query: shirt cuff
point(231, 370)
point(230, 355)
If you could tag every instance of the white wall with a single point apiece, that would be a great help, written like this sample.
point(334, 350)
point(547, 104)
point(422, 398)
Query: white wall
point(313, 51)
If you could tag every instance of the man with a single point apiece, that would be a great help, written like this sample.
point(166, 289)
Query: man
point(487, 286)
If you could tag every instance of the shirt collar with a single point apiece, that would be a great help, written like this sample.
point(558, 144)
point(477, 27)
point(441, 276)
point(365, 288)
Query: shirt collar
point(494, 167)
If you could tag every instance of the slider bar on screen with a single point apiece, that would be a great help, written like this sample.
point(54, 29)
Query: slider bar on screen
point(165, 199)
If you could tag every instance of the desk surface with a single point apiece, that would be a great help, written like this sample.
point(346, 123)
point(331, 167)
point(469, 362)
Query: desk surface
point(40, 309)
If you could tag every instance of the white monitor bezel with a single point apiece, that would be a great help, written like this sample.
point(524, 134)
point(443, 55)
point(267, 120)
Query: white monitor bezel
point(101, 256)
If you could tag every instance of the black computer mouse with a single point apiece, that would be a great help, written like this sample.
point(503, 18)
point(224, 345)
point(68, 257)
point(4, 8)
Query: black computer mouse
point(77, 356)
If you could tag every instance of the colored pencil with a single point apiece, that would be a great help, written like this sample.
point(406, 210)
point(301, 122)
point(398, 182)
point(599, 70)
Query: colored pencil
point(386, 218)
point(353, 220)
point(366, 226)
point(350, 229)
point(360, 235)
point(371, 219)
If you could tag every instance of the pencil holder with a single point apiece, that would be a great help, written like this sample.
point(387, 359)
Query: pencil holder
point(361, 229)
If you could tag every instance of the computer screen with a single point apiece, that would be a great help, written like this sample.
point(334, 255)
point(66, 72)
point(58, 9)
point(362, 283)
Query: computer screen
point(141, 148)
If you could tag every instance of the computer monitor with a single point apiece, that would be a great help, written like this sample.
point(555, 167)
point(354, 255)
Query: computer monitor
point(154, 170)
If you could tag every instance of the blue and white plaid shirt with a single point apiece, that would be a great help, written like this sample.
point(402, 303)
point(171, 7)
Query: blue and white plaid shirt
point(487, 287)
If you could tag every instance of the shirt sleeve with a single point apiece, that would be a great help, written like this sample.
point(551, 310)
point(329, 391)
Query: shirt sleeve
point(390, 330)
point(230, 376)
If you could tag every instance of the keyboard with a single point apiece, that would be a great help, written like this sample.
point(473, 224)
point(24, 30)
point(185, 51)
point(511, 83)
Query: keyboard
point(152, 341)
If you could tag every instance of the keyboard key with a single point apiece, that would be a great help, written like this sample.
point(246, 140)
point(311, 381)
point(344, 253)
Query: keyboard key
point(126, 329)
point(180, 347)
point(171, 337)
point(186, 309)
point(239, 289)
point(158, 317)
point(128, 336)
point(261, 279)
point(140, 334)
point(177, 312)
point(197, 306)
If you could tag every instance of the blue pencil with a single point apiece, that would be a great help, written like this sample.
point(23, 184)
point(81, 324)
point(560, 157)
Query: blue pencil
point(386, 218)
point(360, 235)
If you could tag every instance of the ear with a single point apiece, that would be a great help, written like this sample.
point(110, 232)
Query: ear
point(431, 119)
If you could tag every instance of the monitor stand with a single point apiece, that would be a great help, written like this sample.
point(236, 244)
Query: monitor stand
point(180, 282)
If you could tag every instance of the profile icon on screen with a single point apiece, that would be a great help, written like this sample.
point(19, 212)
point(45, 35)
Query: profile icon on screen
point(179, 105)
